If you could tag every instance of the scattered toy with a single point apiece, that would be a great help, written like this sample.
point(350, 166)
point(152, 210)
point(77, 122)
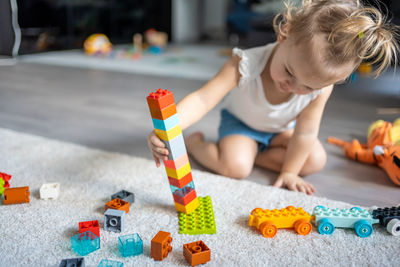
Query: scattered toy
point(201, 221)
point(49, 191)
point(130, 245)
point(85, 243)
point(92, 226)
point(196, 253)
point(75, 262)
point(114, 220)
point(161, 245)
point(16, 195)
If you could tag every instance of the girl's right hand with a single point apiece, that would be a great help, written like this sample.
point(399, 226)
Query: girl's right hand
point(157, 148)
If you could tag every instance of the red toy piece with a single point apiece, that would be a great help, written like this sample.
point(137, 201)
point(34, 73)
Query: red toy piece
point(6, 177)
point(161, 245)
point(92, 226)
point(160, 99)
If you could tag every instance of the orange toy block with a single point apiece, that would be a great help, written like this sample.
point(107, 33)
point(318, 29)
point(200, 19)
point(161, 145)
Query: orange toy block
point(161, 245)
point(269, 221)
point(181, 182)
point(196, 253)
point(16, 195)
point(118, 204)
point(162, 114)
point(160, 99)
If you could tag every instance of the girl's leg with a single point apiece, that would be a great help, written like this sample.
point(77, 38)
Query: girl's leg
point(274, 156)
point(233, 156)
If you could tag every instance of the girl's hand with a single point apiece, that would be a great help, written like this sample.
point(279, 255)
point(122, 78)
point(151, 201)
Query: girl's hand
point(294, 182)
point(157, 148)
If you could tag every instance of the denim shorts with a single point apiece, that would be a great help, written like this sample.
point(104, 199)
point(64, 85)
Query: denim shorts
point(230, 125)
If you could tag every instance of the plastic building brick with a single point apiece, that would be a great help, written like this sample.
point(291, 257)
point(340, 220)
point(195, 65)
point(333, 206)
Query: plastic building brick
point(201, 221)
point(114, 220)
point(85, 243)
point(161, 245)
point(125, 196)
point(75, 262)
point(92, 226)
point(166, 126)
point(110, 263)
point(118, 204)
point(389, 218)
point(196, 253)
point(6, 178)
point(49, 191)
point(269, 221)
point(130, 245)
point(327, 220)
point(16, 195)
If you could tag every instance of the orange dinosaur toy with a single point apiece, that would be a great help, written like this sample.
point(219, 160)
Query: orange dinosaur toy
point(382, 148)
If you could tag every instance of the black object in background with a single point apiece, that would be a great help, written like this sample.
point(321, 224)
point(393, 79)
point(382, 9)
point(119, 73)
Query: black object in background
point(7, 36)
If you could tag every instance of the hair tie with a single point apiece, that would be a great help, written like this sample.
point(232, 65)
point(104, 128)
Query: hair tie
point(361, 35)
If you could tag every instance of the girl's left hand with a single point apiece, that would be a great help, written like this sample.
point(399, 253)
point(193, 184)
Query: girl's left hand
point(294, 182)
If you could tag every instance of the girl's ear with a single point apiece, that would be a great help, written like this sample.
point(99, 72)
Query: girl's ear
point(284, 33)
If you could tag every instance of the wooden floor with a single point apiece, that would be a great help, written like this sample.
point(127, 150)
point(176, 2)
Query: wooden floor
point(108, 110)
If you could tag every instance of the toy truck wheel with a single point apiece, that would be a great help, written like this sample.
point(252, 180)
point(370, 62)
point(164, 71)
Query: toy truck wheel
point(302, 227)
point(363, 228)
point(268, 230)
point(393, 227)
point(325, 227)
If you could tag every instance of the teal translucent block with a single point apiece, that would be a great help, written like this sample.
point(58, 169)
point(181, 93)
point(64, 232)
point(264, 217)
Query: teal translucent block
point(85, 243)
point(181, 192)
point(130, 245)
point(110, 263)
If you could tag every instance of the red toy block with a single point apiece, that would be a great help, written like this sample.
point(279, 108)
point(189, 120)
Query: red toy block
point(92, 226)
point(160, 99)
point(118, 204)
point(196, 253)
point(186, 199)
point(162, 114)
point(180, 183)
point(161, 245)
point(16, 195)
point(6, 177)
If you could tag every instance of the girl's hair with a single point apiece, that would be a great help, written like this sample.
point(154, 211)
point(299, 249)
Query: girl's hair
point(353, 33)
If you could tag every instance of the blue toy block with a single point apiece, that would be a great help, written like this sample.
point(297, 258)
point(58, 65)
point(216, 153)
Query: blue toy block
point(110, 263)
point(176, 147)
point(85, 243)
point(166, 124)
point(114, 220)
point(125, 196)
point(181, 192)
point(75, 262)
point(327, 219)
point(130, 245)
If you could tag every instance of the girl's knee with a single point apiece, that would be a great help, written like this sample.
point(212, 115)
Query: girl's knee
point(236, 168)
point(316, 161)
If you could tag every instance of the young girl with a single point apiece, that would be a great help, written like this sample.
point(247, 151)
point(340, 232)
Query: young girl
point(277, 92)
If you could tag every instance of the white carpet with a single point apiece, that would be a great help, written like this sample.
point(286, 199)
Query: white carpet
point(38, 233)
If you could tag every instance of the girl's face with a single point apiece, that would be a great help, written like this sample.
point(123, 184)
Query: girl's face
point(297, 68)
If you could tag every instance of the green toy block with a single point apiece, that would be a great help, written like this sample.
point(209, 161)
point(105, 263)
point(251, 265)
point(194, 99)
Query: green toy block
point(1, 186)
point(200, 221)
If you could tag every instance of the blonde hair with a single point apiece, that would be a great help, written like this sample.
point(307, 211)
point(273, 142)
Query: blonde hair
point(353, 33)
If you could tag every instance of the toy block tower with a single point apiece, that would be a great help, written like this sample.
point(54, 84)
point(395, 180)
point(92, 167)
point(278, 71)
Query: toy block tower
point(166, 125)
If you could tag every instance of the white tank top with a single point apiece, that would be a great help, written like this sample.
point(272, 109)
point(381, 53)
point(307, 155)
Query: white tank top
point(248, 102)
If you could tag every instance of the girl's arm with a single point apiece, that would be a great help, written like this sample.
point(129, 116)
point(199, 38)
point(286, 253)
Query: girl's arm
point(305, 134)
point(195, 105)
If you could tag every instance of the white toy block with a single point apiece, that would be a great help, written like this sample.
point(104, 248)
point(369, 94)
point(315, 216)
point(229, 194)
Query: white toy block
point(49, 191)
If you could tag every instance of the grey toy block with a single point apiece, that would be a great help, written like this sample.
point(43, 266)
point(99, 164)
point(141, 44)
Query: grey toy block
point(75, 262)
point(114, 220)
point(125, 196)
point(176, 147)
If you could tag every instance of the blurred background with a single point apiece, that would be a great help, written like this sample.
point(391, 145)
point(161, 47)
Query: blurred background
point(64, 24)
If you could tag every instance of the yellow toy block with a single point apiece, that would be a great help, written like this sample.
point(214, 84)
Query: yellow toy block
point(179, 173)
point(189, 207)
point(268, 221)
point(170, 134)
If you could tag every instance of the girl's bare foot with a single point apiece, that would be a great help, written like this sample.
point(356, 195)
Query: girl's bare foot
point(192, 141)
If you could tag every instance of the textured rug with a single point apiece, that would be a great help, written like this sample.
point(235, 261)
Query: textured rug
point(38, 233)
